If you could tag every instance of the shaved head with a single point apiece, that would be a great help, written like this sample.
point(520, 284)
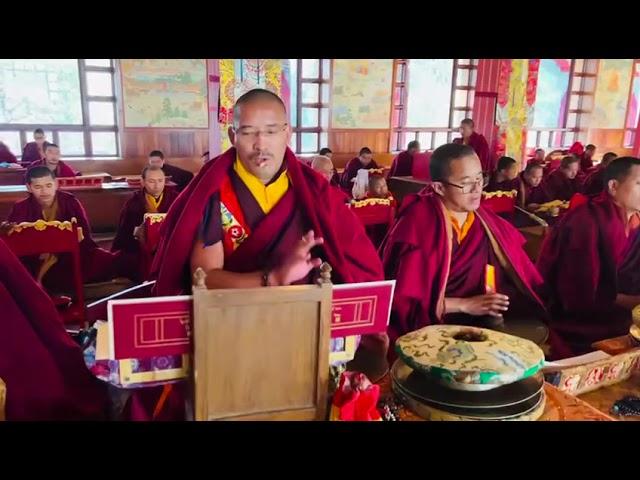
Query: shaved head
point(323, 165)
point(255, 95)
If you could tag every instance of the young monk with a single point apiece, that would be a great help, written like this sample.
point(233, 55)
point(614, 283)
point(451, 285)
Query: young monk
point(34, 151)
point(178, 175)
point(402, 165)
point(594, 182)
point(441, 246)
point(538, 157)
point(591, 261)
point(52, 161)
point(363, 160)
point(505, 178)
point(563, 183)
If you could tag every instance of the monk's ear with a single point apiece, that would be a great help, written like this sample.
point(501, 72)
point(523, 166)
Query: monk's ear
point(612, 186)
point(232, 135)
point(438, 188)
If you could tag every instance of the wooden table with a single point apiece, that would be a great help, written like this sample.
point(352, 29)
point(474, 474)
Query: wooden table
point(604, 398)
point(12, 176)
point(403, 186)
point(103, 205)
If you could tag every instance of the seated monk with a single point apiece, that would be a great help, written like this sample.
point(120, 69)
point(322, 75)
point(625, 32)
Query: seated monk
point(441, 246)
point(538, 157)
point(531, 194)
point(378, 189)
point(324, 166)
point(48, 203)
point(363, 160)
point(178, 175)
point(152, 198)
point(591, 261)
point(41, 365)
point(34, 151)
point(563, 183)
point(505, 178)
point(52, 161)
point(253, 217)
point(335, 178)
point(5, 154)
point(594, 182)
point(478, 143)
point(402, 165)
point(586, 159)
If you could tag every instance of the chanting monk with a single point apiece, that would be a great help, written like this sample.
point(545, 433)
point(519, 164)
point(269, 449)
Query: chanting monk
point(402, 165)
point(563, 183)
point(253, 218)
point(586, 159)
point(324, 166)
point(43, 368)
point(5, 154)
point(52, 161)
point(478, 143)
point(594, 182)
point(505, 178)
point(591, 261)
point(363, 160)
point(34, 151)
point(154, 197)
point(531, 194)
point(178, 176)
point(48, 203)
point(443, 248)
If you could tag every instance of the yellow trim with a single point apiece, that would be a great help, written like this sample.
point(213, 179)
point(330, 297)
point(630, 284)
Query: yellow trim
point(267, 196)
point(40, 225)
point(128, 377)
point(152, 203)
point(154, 217)
point(461, 232)
point(371, 201)
point(500, 193)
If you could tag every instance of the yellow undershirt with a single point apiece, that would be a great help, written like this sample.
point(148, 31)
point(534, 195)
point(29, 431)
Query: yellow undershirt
point(267, 196)
point(461, 232)
point(152, 203)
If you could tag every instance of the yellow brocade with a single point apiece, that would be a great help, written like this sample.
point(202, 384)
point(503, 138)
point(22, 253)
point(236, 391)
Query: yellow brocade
point(267, 196)
point(48, 259)
point(152, 203)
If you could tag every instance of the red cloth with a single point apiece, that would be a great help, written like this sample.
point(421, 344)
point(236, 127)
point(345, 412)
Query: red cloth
point(351, 171)
point(418, 254)
point(31, 153)
point(558, 187)
point(402, 165)
point(62, 170)
point(178, 176)
point(594, 181)
point(97, 264)
point(576, 149)
point(42, 367)
point(481, 147)
point(5, 155)
point(577, 200)
point(580, 262)
point(356, 399)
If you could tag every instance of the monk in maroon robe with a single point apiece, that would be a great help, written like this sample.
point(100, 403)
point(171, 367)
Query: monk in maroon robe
point(591, 261)
point(531, 194)
point(363, 160)
point(586, 159)
point(505, 178)
point(441, 246)
point(594, 181)
point(177, 175)
point(52, 161)
point(34, 151)
point(563, 183)
point(538, 157)
point(154, 197)
point(324, 166)
point(48, 203)
point(256, 216)
point(478, 143)
point(5, 155)
point(402, 165)
point(42, 367)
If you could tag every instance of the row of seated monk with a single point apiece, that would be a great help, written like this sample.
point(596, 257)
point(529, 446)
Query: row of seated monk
point(257, 217)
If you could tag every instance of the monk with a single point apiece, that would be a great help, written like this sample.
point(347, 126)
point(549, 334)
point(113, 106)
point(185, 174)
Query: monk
point(177, 175)
point(586, 160)
point(505, 178)
point(43, 368)
point(154, 197)
point(591, 261)
point(562, 183)
point(363, 160)
point(326, 152)
point(324, 166)
point(48, 203)
point(34, 151)
point(402, 165)
point(252, 218)
point(478, 143)
point(531, 194)
point(538, 157)
point(441, 246)
point(52, 161)
point(5, 154)
point(594, 182)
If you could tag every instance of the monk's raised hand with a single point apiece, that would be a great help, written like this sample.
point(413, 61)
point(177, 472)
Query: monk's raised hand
point(494, 304)
point(299, 262)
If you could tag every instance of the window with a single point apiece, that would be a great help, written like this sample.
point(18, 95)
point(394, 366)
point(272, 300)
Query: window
point(430, 98)
point(72, 100)
point(309, 109)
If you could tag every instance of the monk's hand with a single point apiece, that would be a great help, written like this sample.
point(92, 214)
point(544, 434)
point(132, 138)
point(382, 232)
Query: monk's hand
point(6, 227)
point(298, 263)
point(494, 304)
point(138, 233)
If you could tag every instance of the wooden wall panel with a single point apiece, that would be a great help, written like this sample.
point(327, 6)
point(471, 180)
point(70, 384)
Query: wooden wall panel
point(608, 140)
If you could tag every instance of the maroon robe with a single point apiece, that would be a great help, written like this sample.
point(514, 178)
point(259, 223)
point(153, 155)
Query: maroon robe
point(131, 216)
point(62, 170)
point(351, 171)
point(31, 153)
point(586, 261)
point(178, 175)
point(402, 165)
point(528, 194)
point(42, 367)
point(5, 155)
point(586, 163)
point(558, 187)
point(97, 264)
point(481, 147)
point(423, 256)
point(594, 182)
point(504, 186)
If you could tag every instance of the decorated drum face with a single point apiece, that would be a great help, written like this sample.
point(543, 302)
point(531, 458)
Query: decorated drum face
point(468, 358)
point(635, 314)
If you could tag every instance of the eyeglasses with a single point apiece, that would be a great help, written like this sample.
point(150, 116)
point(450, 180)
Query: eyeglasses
point(470, 186)
point(270, 131)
